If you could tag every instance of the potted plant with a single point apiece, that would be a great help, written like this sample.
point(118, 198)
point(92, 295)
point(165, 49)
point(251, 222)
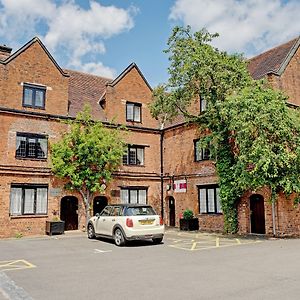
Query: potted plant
point(55, 226)
point(189, 222)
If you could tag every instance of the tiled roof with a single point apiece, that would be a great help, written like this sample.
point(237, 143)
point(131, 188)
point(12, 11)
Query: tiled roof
point(271, 60)
point(86, 88)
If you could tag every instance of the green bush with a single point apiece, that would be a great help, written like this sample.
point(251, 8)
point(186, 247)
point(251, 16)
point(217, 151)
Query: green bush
point(188, 214)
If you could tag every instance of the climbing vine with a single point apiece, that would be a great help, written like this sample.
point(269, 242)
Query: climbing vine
point(254, 135)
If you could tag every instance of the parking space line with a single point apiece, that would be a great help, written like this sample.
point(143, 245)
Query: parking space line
point(217, 242)
point(20, 264)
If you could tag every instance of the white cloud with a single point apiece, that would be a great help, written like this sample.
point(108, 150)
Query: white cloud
point(66, 26)
point(249, 26)
point(98, 69)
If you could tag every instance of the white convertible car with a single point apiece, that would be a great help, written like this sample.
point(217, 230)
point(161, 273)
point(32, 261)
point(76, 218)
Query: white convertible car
point(125, 222)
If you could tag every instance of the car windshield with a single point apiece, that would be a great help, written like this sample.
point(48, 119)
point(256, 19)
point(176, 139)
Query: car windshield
point(140, 211)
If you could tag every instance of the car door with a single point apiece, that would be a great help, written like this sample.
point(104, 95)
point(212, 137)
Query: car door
point(112, 219)
point(101, 222)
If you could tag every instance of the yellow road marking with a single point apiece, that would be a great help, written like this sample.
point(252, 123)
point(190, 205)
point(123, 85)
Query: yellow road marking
point(10, 265)
point(217, 242)
point(194, 246)
point(238, 241)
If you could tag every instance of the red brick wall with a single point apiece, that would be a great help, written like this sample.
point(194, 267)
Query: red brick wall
point(130, 88)
point(289, 81)
point(33, 66)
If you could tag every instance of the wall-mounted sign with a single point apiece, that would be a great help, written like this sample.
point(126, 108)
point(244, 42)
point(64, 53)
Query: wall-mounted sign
point(179, 186)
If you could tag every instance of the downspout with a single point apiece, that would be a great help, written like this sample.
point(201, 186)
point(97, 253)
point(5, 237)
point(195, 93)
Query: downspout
point(273, 217)
point(162, 171)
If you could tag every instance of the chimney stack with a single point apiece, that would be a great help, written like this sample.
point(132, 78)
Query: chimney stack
point(4, 52)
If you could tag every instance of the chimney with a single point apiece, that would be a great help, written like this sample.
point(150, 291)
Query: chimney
point(4, 52)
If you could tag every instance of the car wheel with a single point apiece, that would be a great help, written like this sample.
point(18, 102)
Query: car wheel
point(157, 240)
point(119, 237)
point(91, 231)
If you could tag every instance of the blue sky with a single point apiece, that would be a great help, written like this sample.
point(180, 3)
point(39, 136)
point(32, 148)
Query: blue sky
point(104, 36)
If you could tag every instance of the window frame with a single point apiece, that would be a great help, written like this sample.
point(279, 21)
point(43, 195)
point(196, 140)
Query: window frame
point(31, 136)
point(136, 188)
point(134, 104)
point(205, 152)
point(34, 89)
point(209, 187)
point(34, 187)
point(128, 161)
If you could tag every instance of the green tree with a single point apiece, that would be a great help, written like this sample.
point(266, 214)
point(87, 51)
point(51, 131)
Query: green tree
point(87, 155)
point(254, 135)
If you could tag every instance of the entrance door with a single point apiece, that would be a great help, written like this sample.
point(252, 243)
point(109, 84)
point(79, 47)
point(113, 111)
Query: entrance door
point(172, 211)
point(69, 212)
point(257, 209)
point(99, 203)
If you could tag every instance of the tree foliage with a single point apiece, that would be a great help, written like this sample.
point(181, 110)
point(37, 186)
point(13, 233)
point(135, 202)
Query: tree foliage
point(86, 156)
point(254, 135)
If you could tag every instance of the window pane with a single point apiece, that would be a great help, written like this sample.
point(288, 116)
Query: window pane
point(137, 113)
point(198, 151)
point(133, 196)
point(132, 156)
point(31, 147)
point(39, 98)
point(15, 201)
point(129, 112)
point(42, 148)
point(203, 104)
point(29, 201)
point(202, 199)
point(140, 156)
point(211, 200)
point(21, 146)
point(206, 153)
point(125, 158)
point(142, 196)
point(219, 210)
point(41, 200)
point(28, 96)
point(124, 196)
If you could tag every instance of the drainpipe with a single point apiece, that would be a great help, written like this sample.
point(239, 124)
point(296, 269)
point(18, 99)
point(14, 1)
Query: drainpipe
point(162, 171)
point(273, 217)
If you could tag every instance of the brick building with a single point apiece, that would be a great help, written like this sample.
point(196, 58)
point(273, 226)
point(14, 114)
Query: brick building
point(35, 96)
point(196, 173)
point(162, 167)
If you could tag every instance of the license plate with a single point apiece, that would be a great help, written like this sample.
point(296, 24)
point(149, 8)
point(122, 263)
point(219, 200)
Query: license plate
point(146, 222)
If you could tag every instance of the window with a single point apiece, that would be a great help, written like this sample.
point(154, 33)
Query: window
point(209, 200)
point(28, 200)
point(34, 96)
point(201, 153)
point(31, 145)
point(133, 112)
point(203, 104)
point(134, 155)
point(134, 195)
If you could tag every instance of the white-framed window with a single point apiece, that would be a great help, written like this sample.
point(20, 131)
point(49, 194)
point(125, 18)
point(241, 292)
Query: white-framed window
point(133, 112)
point(134, 195)
point(28, 200)
point(134, 155)
point(200, 153)
point(209, 199)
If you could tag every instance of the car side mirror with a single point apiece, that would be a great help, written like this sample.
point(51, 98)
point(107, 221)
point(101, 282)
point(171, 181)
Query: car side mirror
point(97, 215)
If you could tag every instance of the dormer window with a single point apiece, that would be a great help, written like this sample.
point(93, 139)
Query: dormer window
point(133, 112)
point(34, 96)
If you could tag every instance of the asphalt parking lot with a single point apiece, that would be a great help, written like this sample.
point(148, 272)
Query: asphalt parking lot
point(185, 266)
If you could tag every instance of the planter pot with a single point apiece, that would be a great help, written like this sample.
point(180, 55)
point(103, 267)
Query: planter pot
point(189, 224)
point(55, 227)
